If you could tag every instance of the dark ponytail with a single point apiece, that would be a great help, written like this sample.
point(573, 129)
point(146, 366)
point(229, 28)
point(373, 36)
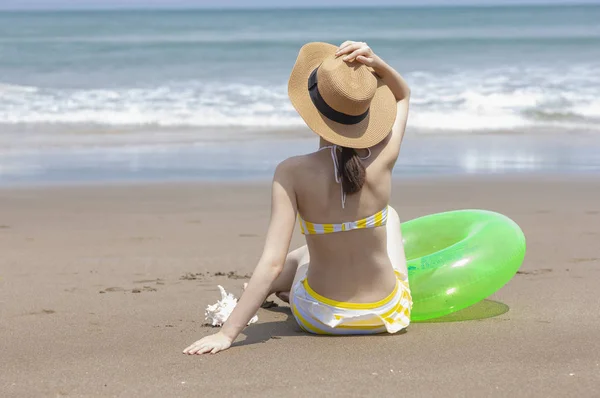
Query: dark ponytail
point(352, 171)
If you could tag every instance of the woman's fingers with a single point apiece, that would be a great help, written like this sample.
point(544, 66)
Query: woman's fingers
point(365, 60)
point(344, 44)
point(349, 48)
point(209, 344)
point(200, 349)
point(192, 349)
point(365, 51)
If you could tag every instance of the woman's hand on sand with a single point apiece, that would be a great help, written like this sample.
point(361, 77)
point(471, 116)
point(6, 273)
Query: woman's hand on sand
point(358, 51)
point(209, 345)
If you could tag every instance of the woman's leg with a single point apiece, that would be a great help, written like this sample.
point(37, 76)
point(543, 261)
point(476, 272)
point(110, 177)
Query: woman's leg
point(283, 284)
point(395, 247)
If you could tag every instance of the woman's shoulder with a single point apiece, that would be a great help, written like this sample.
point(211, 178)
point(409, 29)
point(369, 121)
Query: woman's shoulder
point(289, 166)
point(294, 164)
point(296, 168)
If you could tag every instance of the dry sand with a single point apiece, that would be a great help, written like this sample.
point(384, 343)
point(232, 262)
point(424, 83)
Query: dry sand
point(101, 288)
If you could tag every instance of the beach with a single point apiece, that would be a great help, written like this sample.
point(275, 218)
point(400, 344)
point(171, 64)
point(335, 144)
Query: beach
point(103, 286)
point(136, 153)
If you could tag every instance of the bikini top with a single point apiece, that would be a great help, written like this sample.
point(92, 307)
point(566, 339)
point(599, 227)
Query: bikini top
point(376, 220)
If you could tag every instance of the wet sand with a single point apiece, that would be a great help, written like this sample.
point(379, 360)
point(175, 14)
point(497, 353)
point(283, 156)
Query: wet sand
point(101, 288)
point(199, 156)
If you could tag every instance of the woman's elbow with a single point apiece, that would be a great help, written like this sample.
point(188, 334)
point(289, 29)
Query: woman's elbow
point(273, 265)
point(277, 267)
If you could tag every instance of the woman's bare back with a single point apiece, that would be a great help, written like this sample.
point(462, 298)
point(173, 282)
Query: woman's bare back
point(350, 266)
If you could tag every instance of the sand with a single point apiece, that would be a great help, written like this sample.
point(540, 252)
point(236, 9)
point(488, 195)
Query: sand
point(101, 288)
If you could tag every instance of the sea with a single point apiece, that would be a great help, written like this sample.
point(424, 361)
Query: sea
point(96, 96)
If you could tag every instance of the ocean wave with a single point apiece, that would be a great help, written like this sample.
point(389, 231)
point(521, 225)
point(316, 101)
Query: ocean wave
point(194, 104)
point(14, 88)
point(465, 101)
point(507, 99)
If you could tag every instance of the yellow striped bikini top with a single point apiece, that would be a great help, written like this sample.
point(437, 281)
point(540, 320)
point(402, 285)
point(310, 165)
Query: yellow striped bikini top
point(376, 220)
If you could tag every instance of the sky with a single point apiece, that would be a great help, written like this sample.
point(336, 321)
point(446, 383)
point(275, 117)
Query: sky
point(145, 4)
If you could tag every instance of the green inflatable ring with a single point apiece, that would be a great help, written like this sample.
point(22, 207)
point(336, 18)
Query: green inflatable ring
point(458, 258)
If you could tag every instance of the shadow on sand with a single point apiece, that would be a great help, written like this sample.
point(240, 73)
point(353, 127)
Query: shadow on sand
point(482, 310)
point(263, 332)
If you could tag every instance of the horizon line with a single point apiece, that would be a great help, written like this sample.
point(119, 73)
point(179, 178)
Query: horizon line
point(297, 7)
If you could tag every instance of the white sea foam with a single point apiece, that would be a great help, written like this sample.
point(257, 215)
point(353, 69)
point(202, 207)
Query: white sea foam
point(169, 106)
point(6, 89)
point(465, 101)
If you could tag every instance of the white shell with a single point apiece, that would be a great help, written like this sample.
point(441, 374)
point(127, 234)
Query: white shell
point(217, 314)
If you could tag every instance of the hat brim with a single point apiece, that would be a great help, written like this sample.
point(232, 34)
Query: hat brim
point(369, 132)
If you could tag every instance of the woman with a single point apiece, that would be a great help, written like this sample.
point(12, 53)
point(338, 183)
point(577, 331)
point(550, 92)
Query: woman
point(358, 105)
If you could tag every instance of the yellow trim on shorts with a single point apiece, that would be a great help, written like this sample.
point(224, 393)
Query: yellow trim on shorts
point(361, 327)
point(352, 306)
point(304, 323)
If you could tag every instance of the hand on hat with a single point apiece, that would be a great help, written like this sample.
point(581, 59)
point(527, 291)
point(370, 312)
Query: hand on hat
point(358, 51)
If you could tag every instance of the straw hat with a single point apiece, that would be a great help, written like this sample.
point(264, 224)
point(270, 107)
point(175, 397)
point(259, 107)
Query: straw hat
point(345, 103)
